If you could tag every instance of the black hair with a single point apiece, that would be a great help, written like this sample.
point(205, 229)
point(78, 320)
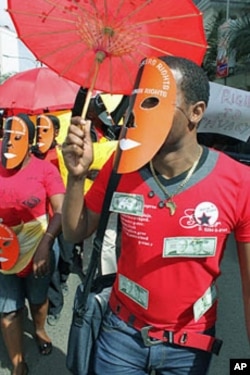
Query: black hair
point(110, 131)
point(194, 83)
point(30, 126)
point(55, 121)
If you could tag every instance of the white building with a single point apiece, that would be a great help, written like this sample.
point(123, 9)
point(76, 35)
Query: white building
point(8, 47)
point(14, 56)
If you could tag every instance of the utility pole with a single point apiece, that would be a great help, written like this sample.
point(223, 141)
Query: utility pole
point(227, 18)
point(228, 10)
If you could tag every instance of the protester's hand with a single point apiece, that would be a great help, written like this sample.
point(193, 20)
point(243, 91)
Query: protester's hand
point(77, 148)
point(41, 259)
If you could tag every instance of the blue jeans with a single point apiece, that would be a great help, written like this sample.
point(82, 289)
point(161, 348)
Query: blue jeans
point(120, 350)
point(14, 290)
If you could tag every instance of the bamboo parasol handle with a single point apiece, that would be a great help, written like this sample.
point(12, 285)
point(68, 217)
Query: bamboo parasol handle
point(91, 89)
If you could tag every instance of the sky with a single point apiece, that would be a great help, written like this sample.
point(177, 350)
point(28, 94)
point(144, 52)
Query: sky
point(26, 58)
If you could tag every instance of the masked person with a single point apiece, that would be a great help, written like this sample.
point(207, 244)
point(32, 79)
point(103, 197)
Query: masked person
point(104, 123)
point(1, 126)
point(27, 184)
point(104, 135)
point(47, 148)
point(178, 203)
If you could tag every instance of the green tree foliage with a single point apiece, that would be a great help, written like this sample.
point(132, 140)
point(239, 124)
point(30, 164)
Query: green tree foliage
point(239, 37)
point(3, 77)
point(211, 29)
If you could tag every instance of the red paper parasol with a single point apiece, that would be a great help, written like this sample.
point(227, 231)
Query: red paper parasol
point(36, 91)
point(99, 43)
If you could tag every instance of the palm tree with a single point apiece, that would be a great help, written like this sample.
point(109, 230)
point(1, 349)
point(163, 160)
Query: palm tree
point(239, 37)
point(211, 29)
point(3, 77)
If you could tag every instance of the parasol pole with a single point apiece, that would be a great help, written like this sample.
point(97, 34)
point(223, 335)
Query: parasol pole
point(100, 56)
point(90, 91)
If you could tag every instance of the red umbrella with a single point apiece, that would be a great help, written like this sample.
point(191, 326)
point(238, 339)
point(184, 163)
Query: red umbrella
point(36, 91)
point(99, 44)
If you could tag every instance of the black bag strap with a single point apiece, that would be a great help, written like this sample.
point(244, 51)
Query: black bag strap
point(98, 240)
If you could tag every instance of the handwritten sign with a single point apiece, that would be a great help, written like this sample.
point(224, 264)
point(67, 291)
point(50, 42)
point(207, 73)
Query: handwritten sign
point(228, 112)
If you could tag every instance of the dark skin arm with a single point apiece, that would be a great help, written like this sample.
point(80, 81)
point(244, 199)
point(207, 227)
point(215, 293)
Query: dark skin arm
point(244, 262)
point(41, 258)
point(77, 222)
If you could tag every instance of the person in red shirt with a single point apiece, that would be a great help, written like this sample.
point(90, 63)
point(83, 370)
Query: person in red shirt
point(26, 260)
point(47, 148)
point(178, 203)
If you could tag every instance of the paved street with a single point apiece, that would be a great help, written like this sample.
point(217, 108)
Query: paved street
point(55, 363)
point(230, 325)
point(230, 328)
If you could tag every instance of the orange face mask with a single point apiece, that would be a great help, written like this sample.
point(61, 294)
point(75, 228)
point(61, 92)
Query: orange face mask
point(45, 133)
point(149, 116)
point(15, 143)
point(9, 247)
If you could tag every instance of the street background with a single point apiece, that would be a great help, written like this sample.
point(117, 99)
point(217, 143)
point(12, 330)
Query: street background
point(230, 327)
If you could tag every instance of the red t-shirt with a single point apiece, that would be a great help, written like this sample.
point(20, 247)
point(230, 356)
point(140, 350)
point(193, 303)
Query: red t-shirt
point(52, 157)
point(168, 263)
point(24, 193)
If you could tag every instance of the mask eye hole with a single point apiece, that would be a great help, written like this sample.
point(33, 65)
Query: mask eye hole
point(6, 244)
point(150, 103)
